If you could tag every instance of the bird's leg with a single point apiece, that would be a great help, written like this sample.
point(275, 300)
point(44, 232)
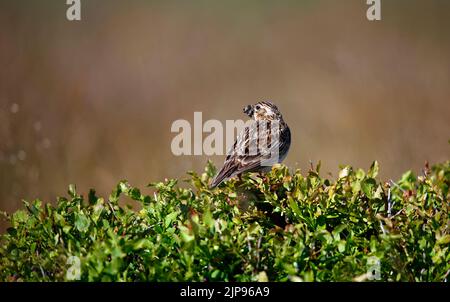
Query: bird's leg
point(240, 177)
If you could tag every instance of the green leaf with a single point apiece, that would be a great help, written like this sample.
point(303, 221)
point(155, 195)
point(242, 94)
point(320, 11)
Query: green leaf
point(443, 240)
point(170, 218)
point(373, 170)
point(81, 222)
point(345, 172)
point(142, 244)
point(124, 186)
point(72, 191)
point(368, 186)
point(215, 273)
point(337, 230)
point(208, 219)
point(293, 205)
point(186, 234)
point(262, 277)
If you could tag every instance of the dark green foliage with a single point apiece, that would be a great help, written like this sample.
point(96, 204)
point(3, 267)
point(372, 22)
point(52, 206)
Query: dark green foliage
point(285, 226)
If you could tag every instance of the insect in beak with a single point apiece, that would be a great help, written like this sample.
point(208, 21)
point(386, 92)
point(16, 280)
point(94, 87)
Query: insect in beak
point(248, 110)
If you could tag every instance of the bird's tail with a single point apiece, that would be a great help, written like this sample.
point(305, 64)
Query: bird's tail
point(226, 172)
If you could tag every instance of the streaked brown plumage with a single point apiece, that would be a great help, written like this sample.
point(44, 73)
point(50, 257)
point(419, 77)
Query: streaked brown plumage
point(240, 157)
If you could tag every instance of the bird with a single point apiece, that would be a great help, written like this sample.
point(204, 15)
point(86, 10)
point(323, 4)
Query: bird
point(247, 153)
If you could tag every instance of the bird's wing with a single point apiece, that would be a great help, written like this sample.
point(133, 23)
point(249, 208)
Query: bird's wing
point(240, 159)
point(247, 158)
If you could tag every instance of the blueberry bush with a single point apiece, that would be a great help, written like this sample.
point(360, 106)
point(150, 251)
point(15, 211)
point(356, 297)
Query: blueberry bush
point(283, 226)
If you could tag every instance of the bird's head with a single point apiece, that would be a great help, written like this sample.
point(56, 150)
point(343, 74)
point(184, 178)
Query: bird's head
point(264, 110)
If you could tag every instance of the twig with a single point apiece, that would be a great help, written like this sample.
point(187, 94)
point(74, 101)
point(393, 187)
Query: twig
point(42, 271)
point(401, 210)
point(362, 277)
point(153, 225)
point(396, 185)
point(445, 276)
point(257, 252)
point(382, 228)
point(112, 209)
point(389, 205)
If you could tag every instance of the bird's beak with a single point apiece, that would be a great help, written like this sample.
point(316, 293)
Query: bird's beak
point(248, 110)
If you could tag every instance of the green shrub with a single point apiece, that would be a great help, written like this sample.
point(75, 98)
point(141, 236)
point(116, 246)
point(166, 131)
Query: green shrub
point(284, 226)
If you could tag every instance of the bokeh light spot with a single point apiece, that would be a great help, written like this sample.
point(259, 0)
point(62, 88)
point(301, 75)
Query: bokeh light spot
point(46, 143)
point(22, 155)
point(14, 108)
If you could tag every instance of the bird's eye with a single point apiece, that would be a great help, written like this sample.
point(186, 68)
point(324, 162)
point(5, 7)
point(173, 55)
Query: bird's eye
point(257, 107)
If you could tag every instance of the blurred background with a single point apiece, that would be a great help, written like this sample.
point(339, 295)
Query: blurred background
point(92, 102)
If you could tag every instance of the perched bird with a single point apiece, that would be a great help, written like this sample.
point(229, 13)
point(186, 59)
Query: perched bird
point(256, 145)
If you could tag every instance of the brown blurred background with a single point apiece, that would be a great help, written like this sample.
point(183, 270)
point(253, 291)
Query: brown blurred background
point(92, 102)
